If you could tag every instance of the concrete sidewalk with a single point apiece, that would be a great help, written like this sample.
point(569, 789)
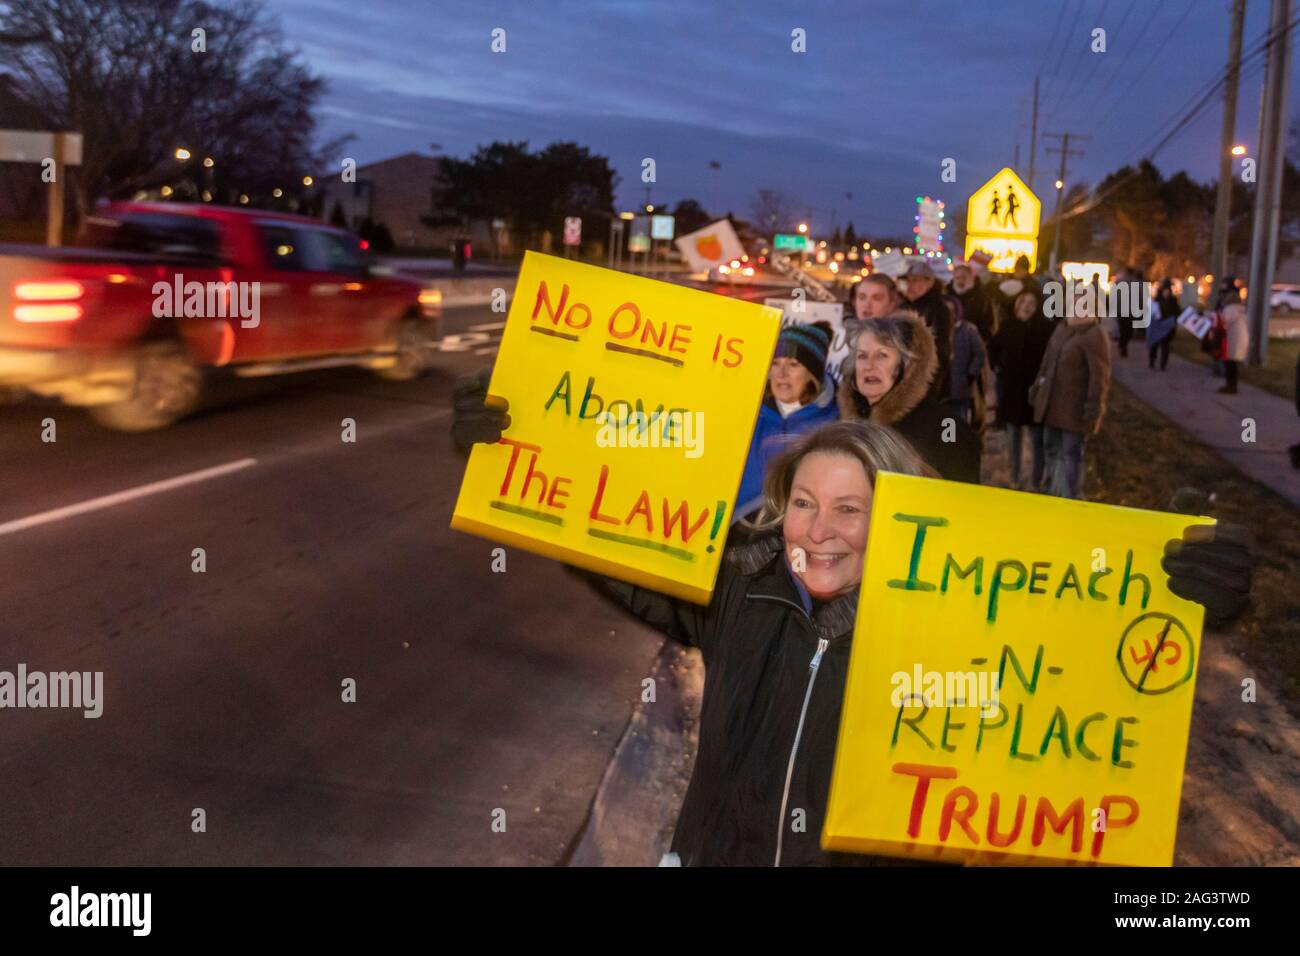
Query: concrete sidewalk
point(1187, 394)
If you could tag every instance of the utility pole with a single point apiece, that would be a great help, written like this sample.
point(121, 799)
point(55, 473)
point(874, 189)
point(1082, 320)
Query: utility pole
point(1066, 153)
point(1033, 136)
point(1268, 191)
point(1223, 201)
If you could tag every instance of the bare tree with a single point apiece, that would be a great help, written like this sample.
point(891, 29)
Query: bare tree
point(138, 81)
point(773, 212)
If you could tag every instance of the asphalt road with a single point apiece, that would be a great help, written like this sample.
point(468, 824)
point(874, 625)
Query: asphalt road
point(475, 691)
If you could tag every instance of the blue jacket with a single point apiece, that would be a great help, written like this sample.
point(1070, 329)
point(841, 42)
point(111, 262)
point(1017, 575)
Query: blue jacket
point(772, 435)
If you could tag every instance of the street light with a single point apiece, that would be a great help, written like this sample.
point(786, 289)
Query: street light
point(803, 228)
point(307, 180)
point(208, 162)
point(277, 192)
point(1239, 150)
point(182, 153)
point(1059, 184)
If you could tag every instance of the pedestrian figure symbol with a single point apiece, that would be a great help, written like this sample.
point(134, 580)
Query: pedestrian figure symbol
point(995, 209)
point(1012, 205)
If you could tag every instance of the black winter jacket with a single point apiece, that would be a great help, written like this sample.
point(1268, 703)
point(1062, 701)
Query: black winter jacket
point(938, 318)
point(1015, 353)
point(758, 646)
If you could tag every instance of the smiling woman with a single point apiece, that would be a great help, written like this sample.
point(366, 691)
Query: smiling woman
point(782, 613)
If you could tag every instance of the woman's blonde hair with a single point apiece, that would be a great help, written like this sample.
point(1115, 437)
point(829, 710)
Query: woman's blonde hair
point(876, 447)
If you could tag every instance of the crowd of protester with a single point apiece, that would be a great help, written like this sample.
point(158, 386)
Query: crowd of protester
point(786, 600)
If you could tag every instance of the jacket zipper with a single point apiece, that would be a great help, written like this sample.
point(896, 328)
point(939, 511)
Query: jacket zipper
point(813, 666)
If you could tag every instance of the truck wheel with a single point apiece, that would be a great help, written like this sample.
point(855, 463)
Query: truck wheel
point(168, 386)
point(412, 358)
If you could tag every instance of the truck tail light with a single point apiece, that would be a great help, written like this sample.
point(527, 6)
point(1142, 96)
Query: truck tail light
point(48, 290)
point(48, 312)
point(47, 300)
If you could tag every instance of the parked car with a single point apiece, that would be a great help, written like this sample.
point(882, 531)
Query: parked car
point(155, 295)
point(1285, 299)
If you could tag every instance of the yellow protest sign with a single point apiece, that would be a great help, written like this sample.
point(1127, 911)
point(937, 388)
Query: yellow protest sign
point(1021, 681)
point(632, 404)
point(1002, 218)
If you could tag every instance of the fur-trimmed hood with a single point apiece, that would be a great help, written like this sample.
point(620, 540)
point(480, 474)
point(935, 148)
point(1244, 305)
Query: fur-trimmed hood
point(910, 390)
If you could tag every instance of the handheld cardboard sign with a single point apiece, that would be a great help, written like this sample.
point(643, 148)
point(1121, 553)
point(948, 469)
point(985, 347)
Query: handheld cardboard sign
point(1021, 681)
point(632, 405)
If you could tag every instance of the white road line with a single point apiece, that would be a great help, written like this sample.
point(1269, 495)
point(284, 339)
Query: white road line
point(491, 351)
point(487, 327)
point(119, 497)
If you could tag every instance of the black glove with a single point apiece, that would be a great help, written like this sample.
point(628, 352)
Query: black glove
point(475, 417)
point(1212, 566)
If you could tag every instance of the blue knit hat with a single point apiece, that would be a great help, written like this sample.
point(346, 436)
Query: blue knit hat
point(807, 345)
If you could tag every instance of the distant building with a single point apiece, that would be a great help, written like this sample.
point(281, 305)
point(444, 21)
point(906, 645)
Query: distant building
point(396, 192)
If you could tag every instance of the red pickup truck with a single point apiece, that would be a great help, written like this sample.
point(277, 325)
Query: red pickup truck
point(155, 295)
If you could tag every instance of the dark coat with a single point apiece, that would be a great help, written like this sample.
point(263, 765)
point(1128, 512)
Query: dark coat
point(968, 358)
point(1074, 379)
point(938, 318)
point(977, 309)
point(757, 642)
point(911, 410)
point(1016, 352)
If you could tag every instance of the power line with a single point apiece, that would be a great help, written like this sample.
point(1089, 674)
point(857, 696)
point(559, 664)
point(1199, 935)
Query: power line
point(1056, 29)
point(1078, 60)
point(1052, 80)
point(1154, 58)
point(1191, 117)
point(1098, 59)
point(1258, 60)
point(1133, 48)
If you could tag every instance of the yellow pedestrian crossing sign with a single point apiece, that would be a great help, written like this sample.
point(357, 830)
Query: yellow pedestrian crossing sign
point(1002, 219)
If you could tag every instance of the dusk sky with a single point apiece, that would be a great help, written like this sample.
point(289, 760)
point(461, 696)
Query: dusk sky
point(883, 94)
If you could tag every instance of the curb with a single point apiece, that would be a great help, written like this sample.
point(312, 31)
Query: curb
point(631, 819)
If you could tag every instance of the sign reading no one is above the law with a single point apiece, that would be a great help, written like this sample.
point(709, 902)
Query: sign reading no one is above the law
point(632, 403)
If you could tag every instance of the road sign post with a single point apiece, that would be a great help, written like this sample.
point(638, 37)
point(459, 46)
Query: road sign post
point(54, 151)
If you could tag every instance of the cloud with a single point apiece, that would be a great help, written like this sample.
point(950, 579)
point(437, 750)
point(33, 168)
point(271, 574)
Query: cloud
point(882, 96)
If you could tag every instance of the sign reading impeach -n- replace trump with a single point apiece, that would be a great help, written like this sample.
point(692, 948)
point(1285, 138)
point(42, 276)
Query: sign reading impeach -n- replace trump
point(1021, 681)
